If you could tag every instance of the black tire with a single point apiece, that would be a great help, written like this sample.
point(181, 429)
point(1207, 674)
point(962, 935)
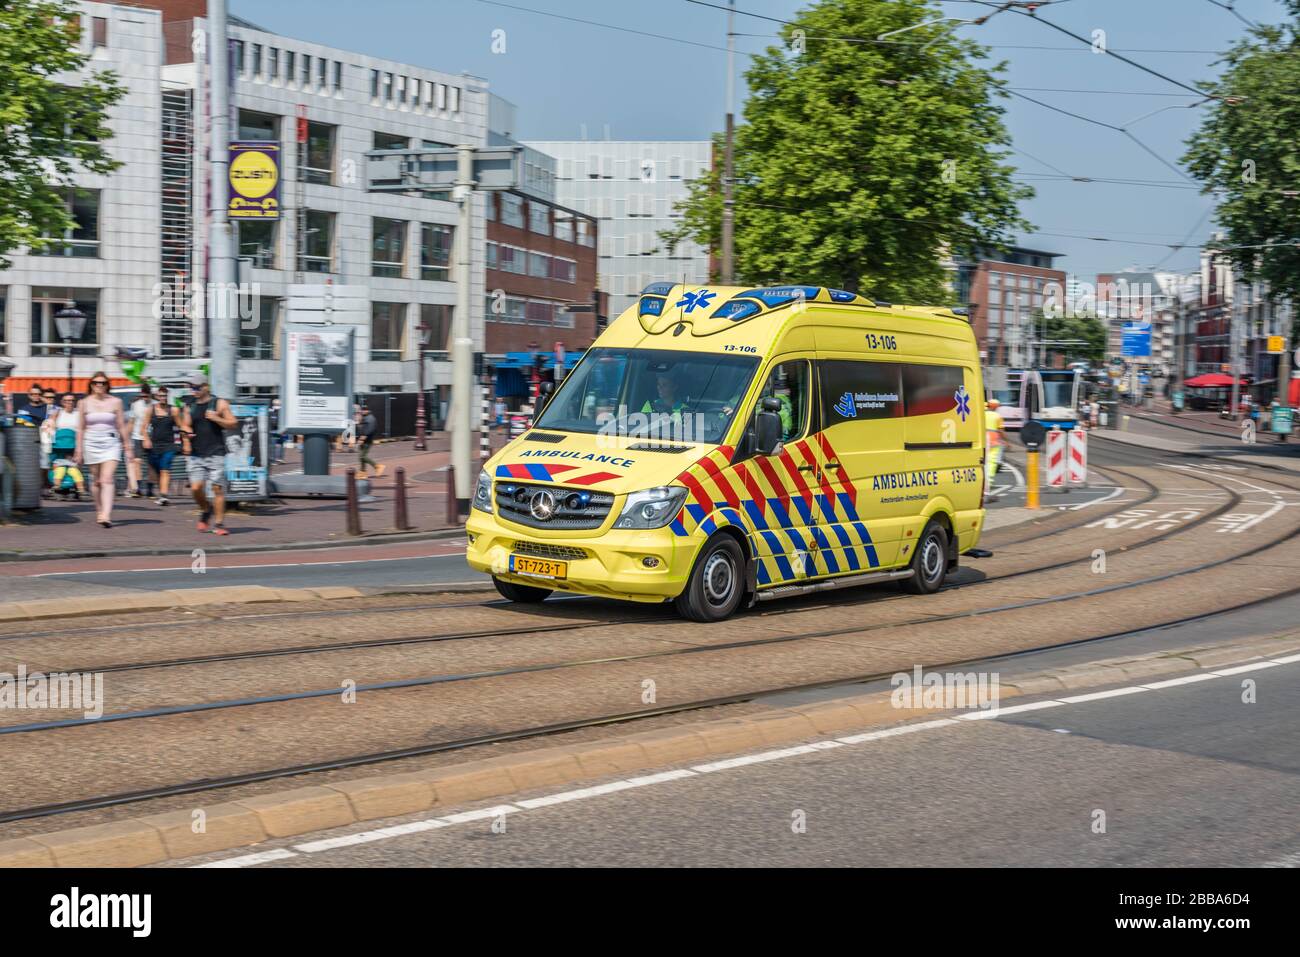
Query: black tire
point(929, 561)
point(525, 594)
point(717, 583)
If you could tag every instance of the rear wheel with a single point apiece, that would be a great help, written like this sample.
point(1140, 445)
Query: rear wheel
point(521, 593)
point(929, 561)
point(717, 583)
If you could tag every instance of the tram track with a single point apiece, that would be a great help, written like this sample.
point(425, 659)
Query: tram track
point(1234, 498)
point(546, 730)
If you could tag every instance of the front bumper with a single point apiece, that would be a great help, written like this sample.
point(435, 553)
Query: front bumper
point(613, 562)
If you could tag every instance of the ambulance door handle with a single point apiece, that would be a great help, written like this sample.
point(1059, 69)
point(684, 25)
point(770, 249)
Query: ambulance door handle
point(807, 468)
point(833, 465)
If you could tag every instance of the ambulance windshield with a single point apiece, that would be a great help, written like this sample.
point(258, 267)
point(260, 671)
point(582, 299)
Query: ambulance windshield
point(686, 396)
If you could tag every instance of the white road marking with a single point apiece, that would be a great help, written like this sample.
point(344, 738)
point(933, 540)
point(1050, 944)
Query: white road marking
point(365, 837)
point(612, 787)
point(1098, 695)
point(248, 860)
point(1118, 490)
point(1241, 669)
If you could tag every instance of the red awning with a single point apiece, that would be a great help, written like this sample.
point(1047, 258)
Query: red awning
point(1211, 380)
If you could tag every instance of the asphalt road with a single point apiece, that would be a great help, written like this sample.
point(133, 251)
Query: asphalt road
point(1187, 775)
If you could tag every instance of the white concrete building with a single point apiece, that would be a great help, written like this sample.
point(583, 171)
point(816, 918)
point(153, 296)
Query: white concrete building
point(150, 230)
point(631, 188)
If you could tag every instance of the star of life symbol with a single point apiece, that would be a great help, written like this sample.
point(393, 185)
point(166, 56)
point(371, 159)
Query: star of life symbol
point(692, 299)
point(963, 402)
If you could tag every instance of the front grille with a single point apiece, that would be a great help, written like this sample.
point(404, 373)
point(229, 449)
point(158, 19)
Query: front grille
point(514, 504)
point(560, 553)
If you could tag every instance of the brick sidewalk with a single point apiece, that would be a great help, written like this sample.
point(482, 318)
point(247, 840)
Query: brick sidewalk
point(142, 524)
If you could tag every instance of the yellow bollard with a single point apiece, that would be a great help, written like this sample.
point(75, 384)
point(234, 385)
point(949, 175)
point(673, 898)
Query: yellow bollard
point(1031, 479)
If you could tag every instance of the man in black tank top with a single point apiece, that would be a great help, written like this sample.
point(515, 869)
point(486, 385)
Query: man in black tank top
point(203, 439)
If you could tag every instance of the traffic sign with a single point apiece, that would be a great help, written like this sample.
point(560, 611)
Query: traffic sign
point(1135, 339)
point(1276, 345)
point(1031, 434)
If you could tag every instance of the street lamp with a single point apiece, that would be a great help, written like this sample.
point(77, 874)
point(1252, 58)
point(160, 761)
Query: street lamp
point(425, 333)
point(71, 323)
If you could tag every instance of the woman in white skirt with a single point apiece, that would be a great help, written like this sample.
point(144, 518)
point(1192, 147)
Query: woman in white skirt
point(101, 438)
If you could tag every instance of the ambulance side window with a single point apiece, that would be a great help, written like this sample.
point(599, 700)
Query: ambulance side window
point(788, 383)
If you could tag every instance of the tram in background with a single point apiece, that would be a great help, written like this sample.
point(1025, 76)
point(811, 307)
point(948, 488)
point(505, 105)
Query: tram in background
point(1051, 396)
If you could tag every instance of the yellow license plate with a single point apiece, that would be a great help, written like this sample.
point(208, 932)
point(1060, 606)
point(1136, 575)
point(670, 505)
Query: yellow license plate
point(538, 567)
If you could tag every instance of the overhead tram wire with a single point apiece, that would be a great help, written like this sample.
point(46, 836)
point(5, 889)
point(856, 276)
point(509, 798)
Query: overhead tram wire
point(1230, 6)
point(1033, 15)
point(1109, 126)
point(1028, 232)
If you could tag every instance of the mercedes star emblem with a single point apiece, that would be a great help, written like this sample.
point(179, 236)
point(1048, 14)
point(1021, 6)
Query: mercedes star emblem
point(542, 506)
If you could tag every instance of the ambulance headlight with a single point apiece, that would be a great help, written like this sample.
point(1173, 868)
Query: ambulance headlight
point(653, 508)
point(483, 493)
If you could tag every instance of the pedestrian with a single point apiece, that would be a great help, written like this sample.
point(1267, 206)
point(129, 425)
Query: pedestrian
point(367, 425)
point(203, 426)
point(995, 432)
point(278, 438)
point(501, 414)
point(102, 436)
point(34, 413)
point(160, 442)
point(135, 417)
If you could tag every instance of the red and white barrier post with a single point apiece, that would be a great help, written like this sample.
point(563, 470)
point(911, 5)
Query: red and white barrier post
point(1077, 461)
point(1055, 446)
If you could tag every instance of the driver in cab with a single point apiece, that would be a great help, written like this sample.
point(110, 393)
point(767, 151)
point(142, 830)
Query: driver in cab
point(665, 401)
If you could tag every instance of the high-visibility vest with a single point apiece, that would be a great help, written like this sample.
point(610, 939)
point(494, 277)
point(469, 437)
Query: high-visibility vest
point(994, 425)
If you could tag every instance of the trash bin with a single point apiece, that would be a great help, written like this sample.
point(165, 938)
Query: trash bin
point(1108, 416)
point(23, 450)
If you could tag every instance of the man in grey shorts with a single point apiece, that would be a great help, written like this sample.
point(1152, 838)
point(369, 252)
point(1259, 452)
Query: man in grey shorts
point(203, 437)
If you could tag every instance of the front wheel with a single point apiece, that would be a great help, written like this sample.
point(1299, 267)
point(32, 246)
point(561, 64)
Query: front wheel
point(525, 594)
point(717, 582)
point(929, 561)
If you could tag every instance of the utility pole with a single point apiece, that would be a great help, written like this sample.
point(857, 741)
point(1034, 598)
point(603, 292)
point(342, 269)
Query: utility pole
point(728, 197)
point(1232, 347)
point(223, 323)
point(462, 355)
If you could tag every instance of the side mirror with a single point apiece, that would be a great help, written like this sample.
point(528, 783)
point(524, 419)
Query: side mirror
point(545, 392)
point(767, 431)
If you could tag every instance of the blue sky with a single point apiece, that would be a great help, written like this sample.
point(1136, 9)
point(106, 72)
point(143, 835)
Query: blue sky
point(562, 74)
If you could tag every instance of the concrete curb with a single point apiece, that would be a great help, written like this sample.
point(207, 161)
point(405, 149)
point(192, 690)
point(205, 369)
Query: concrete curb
point(44, 609)
point(369, 538)
point(171, 835)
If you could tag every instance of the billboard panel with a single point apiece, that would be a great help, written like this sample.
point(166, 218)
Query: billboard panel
point(318, 367)
point(254, 180)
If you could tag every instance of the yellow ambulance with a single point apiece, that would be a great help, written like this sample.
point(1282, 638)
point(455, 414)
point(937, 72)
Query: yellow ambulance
point(719, 446)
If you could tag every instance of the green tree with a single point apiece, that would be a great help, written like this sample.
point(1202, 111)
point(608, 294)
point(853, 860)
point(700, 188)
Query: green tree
point(862, 163)
point(1248, 149)
point(53, 120)
point(1087, 330)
